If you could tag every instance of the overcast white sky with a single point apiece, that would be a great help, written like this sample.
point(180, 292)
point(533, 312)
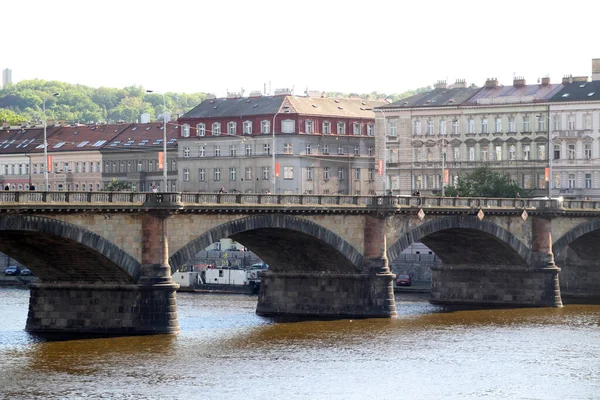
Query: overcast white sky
point(347, 45)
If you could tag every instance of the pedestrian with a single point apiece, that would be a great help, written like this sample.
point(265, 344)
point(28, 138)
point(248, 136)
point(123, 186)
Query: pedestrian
point(6, 187)
point(222, 190)
point(518, 195)
point(154, 189)
point(268, 191)
point(31, 187)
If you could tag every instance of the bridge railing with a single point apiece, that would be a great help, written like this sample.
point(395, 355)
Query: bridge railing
point(323, 200)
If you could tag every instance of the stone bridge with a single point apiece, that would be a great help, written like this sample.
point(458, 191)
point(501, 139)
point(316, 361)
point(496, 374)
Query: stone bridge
point(105, 259)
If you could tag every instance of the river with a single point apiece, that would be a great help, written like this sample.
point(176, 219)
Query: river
point(225, 351)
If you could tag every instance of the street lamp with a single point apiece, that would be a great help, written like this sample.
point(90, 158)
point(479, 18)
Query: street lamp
point(540, 116)
point(164, 139)
point(282, 109)
point(384, 161)
point(46, 141)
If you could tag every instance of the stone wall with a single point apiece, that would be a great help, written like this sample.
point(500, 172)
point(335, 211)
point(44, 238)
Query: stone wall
point(102, 309)
point(326, 295)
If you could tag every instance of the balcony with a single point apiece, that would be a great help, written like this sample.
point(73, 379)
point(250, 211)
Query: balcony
point(574, 133)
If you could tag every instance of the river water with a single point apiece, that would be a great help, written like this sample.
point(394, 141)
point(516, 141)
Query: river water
point(225, 351)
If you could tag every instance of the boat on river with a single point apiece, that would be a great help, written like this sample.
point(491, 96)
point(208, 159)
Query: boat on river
point(221, 279)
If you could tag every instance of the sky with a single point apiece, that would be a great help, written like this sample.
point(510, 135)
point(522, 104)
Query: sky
point(346, 46)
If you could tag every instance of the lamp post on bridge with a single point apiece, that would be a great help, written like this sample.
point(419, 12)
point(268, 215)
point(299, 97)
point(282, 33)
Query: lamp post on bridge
point(46, 141)
point(284, 109)
point(165, 182)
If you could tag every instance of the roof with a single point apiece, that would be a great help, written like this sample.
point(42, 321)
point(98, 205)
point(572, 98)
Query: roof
point(137, 137)
point(233, 107)
point(80, 138)
point(270, 105)
point(20, 140)
point(436, 98)
point(514, 94)
point(578, 91)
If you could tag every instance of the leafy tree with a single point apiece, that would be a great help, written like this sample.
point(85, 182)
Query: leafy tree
point(484, 182)
point(11, 117)
point(117, 186)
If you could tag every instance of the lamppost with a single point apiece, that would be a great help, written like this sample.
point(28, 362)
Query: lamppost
point(384, 161)
point(164, 140)
point(279, 110)
point(46, 141)
point(540, 116)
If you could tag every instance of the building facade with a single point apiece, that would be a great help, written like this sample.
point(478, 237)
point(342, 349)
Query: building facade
point(281, 144)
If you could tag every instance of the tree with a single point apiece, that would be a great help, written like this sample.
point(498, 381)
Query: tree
point(117, 186)
point(11, 117)
point(484, 182)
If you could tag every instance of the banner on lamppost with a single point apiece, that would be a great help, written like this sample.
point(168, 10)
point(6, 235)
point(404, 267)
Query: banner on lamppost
point(380, 168)
point(547, 174)
point(49, 166)
point(446, 176)
point(276, 170)
point(161, 160)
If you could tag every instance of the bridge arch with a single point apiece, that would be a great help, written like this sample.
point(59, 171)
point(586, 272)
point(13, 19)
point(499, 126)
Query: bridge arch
point(285, 243)
point(583, 239)
point(458, 239)
point(59, 251)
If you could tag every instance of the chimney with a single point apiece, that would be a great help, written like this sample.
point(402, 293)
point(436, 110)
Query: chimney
point(491, 83)
point(580, 79)
point(567, 79)
point(440, 85)
point(460, 83)
point(545, 81)
point(519, 81)
point(596, 69)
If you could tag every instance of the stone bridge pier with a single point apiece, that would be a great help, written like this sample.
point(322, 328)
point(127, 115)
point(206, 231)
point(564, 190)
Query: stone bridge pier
point(364, 290)
point(139, 302)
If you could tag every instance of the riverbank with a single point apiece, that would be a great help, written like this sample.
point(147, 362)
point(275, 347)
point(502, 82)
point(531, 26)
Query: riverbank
point(416, 287)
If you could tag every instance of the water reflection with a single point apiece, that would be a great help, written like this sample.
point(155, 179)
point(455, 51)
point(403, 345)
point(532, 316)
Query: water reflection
point(226, 351)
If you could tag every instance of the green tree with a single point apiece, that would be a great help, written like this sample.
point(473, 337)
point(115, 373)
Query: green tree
point(484, 182)
point(117, 186)
point(11, 117)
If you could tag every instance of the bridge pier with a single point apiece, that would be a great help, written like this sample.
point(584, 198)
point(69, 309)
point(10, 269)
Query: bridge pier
point(119, 308)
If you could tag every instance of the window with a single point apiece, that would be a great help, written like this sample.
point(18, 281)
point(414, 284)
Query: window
point(498, 151)
point(325, 149)
point(526, 127)
point(186, 175)
point(309, 126)
point(429, 127)
point(587, 151)
point(588, 181)
point(186, 151)
point(248, 173)
point(417, 127)
point(231, 128)
point(357, 174)
point(455, 127)
point(288, 172)
point(456, 153)
point(201, 175)
point(370, 151)
point(287, 126)
point(248, 149)
point(371, 174)
point(526, 152)
point(287, 148)
point(265, 173)
point(308, 148)
point(371, 130)
point(571, 122)
point(541, 151)
point(201, 129)
point(266, 149)
point(217, 151)
point(470, 126)
point(326, 128)
point(247, 128)
point(484, 153)
point(340, 173)
point(556, 152)
point(571, 151)
point(571, 181)
point(540, 123)
point(217, 174)
point(232, 150)
point(556, 121)
point(139, 166)
point(326, 173)
point(556, 181)
point(216, 129)
point(471, 153)
point(232, 174)
point(356, 129)
point(511, 124)
point(526, 181)
point(202, 150)
point(357, 150)
point(428, 154)
point(84, 166)
point(484, 125)
point(309, 173)
point(340, 150)
point(498, 125)
point(185, 130)
point(442, 127)
point(265, 126)
point(418, 154)
point(341, 128)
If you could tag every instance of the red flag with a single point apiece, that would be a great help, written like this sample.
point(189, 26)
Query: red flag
point(161, 160)
point(547, 174)
point(380, 167)
point(277, 170)
point(49, 164)
point(446, 175)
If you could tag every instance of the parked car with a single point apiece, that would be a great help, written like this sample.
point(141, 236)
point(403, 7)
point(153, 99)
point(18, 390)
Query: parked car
point(12, 270)
point(404, 280)
point(26, 272)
